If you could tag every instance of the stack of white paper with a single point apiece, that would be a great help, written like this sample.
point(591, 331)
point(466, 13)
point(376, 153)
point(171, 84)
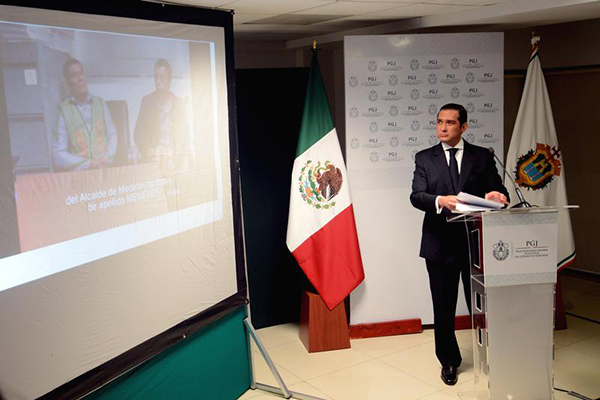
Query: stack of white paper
point(468, 203)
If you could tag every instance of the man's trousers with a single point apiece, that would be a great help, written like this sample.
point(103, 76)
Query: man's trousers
point(443, 282)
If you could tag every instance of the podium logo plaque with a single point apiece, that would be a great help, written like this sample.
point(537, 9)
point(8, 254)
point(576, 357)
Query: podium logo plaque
point(501, 250)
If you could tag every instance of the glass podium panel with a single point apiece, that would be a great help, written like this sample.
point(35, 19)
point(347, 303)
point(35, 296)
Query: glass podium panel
point(513, 276)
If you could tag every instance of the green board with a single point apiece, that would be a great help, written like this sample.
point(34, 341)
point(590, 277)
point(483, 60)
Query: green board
point(212, 364)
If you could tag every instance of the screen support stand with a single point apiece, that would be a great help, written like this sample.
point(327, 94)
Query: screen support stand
point(282, 390)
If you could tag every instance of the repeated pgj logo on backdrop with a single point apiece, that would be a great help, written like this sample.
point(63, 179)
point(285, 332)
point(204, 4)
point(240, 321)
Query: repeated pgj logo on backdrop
point(415, 125)
point(411, 101)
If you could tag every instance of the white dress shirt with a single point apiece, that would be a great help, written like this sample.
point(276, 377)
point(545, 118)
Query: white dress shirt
point(459, 155)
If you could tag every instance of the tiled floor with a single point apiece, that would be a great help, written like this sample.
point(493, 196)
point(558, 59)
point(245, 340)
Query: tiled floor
point(581, 296)
point(405, 367)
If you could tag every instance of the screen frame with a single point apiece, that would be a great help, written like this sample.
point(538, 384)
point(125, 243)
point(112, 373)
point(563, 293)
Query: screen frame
point(101, 375)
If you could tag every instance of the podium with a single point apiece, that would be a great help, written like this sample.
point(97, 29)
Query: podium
point(513, 277)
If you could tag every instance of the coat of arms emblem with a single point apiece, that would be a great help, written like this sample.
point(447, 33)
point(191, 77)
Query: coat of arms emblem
point(501, 250)
point(536, 169)
point(454, 93)
point(320, 183)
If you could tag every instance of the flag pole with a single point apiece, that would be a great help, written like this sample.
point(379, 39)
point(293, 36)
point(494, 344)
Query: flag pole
point(321, 217)
point(282, 389)
point(534, 41)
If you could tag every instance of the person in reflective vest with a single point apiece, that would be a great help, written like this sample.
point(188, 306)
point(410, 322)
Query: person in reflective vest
point(84, 135)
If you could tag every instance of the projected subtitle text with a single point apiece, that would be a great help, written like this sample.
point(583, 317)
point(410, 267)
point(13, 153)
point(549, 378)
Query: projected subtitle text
point(115, 196)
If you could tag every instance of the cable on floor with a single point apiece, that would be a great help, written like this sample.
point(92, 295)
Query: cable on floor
point(575, 394)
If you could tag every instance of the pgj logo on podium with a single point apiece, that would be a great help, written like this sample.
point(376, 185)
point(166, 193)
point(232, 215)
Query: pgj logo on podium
point(501, 250)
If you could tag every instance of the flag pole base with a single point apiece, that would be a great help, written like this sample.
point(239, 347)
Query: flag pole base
point(321, 329)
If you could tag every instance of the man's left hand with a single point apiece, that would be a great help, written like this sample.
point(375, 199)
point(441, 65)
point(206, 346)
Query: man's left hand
point(496, 196)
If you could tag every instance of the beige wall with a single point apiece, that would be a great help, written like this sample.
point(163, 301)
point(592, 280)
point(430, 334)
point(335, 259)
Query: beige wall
point(571, 53)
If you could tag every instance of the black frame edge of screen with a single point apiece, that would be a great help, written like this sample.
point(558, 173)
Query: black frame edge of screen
point(101, 375)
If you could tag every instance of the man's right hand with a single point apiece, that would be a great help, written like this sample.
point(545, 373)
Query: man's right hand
point(448, 202)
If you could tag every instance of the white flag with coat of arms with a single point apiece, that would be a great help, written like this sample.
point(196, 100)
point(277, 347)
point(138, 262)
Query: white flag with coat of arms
point(534, 156)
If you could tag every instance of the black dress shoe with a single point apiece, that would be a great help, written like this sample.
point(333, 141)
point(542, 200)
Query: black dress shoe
point(449, 375)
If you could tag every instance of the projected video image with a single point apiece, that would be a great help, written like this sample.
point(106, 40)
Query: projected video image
point(107, 130)
point(85, 134)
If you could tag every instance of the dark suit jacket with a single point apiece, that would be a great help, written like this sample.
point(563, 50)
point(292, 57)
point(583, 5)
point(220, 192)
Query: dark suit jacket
point(441, 240)
point(146, 133)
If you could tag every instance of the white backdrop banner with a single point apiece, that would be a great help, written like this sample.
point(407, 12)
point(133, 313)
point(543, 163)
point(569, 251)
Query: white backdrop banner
point(395, 85)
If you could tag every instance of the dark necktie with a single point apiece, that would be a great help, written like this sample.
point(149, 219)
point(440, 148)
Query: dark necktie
point(453, 169)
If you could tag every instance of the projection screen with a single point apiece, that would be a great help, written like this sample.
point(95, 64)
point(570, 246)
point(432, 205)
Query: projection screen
point(116, 215)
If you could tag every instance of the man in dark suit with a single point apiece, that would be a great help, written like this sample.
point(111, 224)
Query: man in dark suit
point(441, 172)
point(161, 127)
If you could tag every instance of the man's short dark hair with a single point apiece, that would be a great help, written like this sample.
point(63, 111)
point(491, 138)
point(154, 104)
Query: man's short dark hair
point(161, 62)
point(67, 65)
point(462, 113)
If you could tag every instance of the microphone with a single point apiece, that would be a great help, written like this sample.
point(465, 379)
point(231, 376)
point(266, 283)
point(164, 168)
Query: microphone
point(522, 202)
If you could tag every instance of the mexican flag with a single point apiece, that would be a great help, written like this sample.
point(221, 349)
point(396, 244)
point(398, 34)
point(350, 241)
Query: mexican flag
point(534, 156)
point(321, 231)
